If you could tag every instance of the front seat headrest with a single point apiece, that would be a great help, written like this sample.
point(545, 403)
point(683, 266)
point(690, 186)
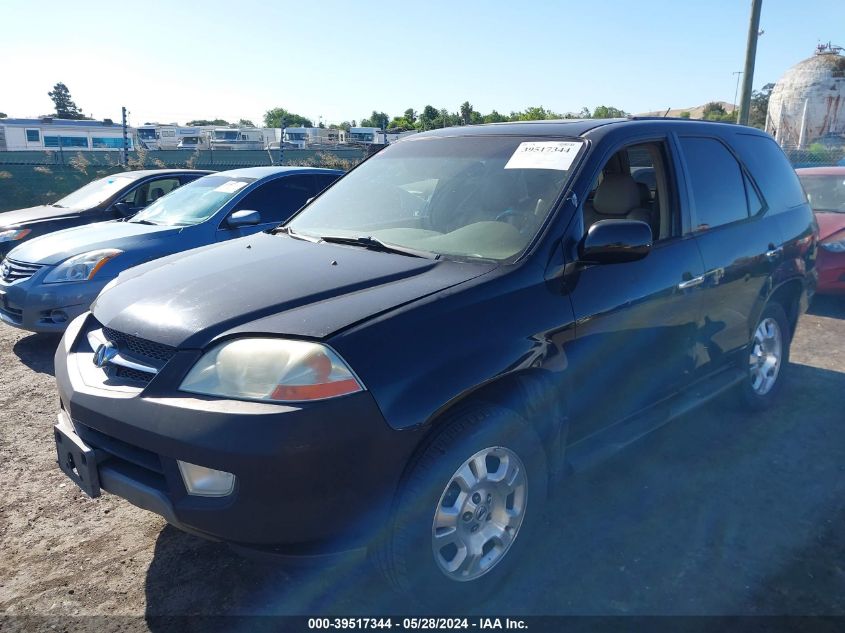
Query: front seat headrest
point(616, 195)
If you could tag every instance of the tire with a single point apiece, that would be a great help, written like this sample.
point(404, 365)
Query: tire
point(503, 517)
point(769, 343)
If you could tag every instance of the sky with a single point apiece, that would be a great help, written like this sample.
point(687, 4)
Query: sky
point(333, 60)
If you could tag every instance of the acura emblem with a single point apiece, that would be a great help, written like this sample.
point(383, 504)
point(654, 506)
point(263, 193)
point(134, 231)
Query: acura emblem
point(5, 270)
point(104, 354)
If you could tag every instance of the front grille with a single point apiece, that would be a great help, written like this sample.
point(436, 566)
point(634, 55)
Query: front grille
point(134, 375)
point(140, 347)
point(15, 271)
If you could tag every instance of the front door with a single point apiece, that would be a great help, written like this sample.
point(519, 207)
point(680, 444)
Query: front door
point(636, 322)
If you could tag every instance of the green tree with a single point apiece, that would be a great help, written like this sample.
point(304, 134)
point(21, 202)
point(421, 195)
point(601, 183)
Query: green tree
point(585, 113)
point(65, 107)
point(466, 112)
point(760, 106)
point(608, 112)
point(377, 119)
point(715, 111)
point(217, 122)
point(245, 123)
point(494, 117)
point(410, 115)
point(426, 118)
point(684, 114)
point(535, 113)
point(275, 117)
point(400, 124)
point(2, 115)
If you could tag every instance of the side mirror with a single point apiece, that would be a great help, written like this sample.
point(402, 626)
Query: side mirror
point(123, 209)
point(615, 242)
point(244, 217)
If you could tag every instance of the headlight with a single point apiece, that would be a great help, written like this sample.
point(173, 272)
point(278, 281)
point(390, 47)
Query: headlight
point(13, 235)
point(272, 369)
point(834, 247)
point(81, 267)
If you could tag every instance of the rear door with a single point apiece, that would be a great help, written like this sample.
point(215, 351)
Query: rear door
point(740, 244)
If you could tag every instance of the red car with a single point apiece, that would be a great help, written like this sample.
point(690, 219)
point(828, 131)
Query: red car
point(825, 187)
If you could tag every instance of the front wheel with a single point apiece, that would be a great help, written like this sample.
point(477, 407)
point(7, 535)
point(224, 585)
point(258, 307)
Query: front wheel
point(768, 355)
point(464, 516)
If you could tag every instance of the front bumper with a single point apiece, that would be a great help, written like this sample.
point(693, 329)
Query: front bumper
point(30, 305)
point(309, 478)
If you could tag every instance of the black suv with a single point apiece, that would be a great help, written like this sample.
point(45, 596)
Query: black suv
point(410, 363)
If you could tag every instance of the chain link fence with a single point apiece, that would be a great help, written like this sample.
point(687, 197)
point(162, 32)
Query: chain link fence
point(41, 177)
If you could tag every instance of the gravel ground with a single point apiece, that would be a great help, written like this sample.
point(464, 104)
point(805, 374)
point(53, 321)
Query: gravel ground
point(718, 513)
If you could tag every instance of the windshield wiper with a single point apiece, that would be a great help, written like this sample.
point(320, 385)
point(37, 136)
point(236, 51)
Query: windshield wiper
point(58, 206)
point(142, 222)
point(377, 245)
point(294, 234)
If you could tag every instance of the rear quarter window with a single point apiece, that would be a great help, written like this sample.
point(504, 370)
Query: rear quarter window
point(771, 170)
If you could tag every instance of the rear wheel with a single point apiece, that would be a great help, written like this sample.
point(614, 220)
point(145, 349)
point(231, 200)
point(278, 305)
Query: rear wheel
point(464, 516)
point(768, 355)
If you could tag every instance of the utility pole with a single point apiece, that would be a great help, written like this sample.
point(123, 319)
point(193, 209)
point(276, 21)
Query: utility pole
point(750, 57)
point(125, 138)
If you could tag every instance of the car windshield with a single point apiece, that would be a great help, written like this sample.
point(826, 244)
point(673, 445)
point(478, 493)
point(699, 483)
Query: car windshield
point(94, 193)
point(826, 193)
point(473, 196)
point(194, 203)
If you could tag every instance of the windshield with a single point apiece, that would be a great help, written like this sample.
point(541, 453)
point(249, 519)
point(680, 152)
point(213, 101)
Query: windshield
point(221, 135)
point(94, 193)
point(194, 203)
point(360, 136)
point(478, 196)
point(147, 134)
point(826, 193)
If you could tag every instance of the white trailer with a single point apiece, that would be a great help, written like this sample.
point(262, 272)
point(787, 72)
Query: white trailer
point(236, 138)
point(168, 136)
point(48, 133)
point(305, 137)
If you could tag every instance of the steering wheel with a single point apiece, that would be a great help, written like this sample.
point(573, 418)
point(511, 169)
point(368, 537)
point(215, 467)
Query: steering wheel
point(520, 216)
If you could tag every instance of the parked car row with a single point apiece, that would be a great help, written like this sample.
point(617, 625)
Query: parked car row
point(412, 361)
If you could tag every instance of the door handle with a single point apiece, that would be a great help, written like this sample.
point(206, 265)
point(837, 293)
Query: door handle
point(691, 283)
point(773, 252)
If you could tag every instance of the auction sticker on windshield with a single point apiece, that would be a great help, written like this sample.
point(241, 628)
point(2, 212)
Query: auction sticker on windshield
point(544, 155)
point(232, 186)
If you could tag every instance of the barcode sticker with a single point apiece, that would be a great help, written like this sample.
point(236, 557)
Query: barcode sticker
point(544, 155)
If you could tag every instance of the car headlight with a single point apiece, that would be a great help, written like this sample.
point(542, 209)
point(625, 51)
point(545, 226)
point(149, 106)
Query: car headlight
point(81, 267)
point(834, 247)
point(272, 369)
point(13, 235)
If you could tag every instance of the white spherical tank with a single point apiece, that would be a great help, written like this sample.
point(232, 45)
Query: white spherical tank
point(807, 104)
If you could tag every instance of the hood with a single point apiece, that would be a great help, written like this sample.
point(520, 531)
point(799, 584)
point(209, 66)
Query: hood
point(33, 215)
point(830, 223)
point(268, 284)
point(55, 247)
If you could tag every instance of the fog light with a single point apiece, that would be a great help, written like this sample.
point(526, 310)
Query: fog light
point(58, 316)
point(206, 482)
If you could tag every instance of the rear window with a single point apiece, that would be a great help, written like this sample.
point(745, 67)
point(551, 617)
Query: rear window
point(771, 170)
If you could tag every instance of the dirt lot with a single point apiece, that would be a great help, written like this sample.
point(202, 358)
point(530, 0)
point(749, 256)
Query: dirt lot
point(717, 513)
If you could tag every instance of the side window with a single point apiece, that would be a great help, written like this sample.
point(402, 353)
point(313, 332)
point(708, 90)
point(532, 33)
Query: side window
point(33, 136)
point(323, 181)
point(633, 185)
point(771, 170)
point(278, 199)
point(150, 191)
point(717, 183)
